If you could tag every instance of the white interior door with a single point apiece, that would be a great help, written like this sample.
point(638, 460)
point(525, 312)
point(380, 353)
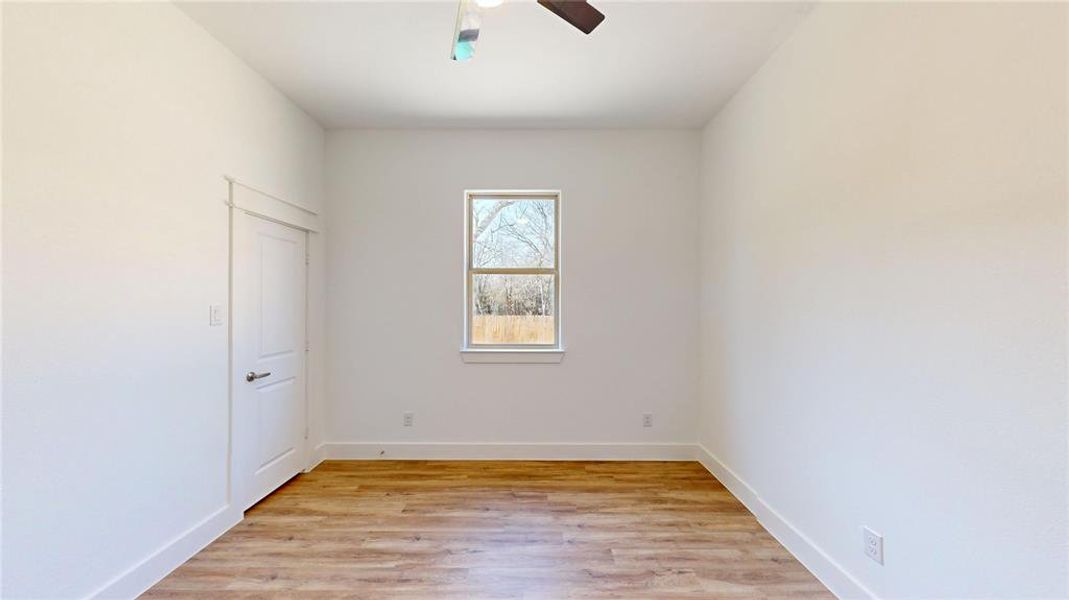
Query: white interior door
point(268, 379)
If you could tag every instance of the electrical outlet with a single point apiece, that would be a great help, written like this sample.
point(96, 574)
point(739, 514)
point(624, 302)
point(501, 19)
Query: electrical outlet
point(647, 419)
point(873, 544)
point(407, 420)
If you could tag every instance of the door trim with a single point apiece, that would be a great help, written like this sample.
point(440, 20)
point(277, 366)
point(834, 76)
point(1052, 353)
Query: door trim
point(270, 207)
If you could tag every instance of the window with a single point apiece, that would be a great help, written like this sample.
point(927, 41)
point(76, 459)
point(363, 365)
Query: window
point(512, 283)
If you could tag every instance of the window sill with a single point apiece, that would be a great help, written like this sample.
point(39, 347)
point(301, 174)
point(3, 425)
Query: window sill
point(513, 357)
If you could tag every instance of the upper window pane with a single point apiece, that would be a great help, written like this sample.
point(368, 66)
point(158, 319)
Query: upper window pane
point(513, 233)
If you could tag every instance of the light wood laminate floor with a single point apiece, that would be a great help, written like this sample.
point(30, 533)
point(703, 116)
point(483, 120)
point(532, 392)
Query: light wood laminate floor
point(422, 529)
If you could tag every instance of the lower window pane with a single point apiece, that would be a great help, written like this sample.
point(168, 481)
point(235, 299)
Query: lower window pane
point(512, 309)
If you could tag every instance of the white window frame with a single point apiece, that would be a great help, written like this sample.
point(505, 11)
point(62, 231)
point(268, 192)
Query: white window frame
point(512, 353)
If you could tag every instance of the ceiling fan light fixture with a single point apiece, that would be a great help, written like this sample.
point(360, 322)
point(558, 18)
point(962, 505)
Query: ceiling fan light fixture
point(466, 32)
point(578, 13)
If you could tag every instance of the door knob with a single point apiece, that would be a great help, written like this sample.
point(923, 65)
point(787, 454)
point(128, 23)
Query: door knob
point(253, 375)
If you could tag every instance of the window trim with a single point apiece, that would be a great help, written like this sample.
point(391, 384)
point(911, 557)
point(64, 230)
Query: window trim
point(504, 353)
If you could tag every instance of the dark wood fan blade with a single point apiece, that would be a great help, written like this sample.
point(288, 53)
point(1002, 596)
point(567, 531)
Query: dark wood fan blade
point(577, 12)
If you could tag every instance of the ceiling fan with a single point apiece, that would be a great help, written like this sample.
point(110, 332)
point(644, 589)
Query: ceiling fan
point(576, 12)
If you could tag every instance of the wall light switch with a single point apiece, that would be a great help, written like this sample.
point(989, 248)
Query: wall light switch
point(215, 315)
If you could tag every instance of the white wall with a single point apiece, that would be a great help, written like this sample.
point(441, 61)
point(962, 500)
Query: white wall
point(884, 293)
point(1, 305)
point(395, 285)
point(120, 121)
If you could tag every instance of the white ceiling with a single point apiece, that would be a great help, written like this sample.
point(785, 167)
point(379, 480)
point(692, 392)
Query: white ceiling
point(386, 64)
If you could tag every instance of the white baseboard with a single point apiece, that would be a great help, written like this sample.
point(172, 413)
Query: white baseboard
point(316, 456)
point(140, 577)
point(493, 451)
point(823, 566)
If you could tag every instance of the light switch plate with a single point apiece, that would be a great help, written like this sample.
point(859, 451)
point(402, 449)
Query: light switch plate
point(215, 315)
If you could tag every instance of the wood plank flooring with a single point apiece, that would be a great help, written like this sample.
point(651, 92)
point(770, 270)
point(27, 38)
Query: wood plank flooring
point(553, 530)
